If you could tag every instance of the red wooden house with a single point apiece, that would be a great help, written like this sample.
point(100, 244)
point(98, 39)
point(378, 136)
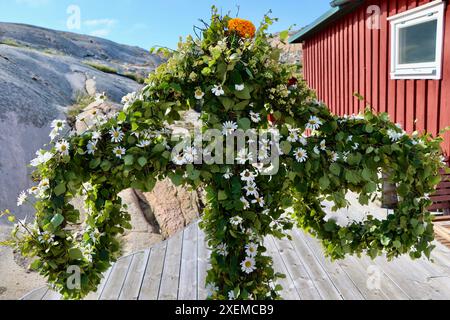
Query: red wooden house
point(394, 53)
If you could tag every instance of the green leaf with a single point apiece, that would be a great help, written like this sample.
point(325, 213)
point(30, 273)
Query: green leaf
point(222, 195)
point(244, 94)
point(106, 165)
point(60, 189)
point(324, 182)
point(284, 35)
point(75, 254)
point(227, 103)
point(335, 169)
point(122, 117)
point(95, 163)
point(129, 160)
point(142, 161)
point(244, 123)
point(57, 220)
point(158, 148)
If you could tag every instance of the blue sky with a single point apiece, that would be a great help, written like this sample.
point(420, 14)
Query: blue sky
point(147, 23)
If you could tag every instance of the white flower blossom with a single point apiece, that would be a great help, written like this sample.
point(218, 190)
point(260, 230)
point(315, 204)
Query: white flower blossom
point(231, 295)
point(301, 155)
point(229, 127)
point(199, 94)
point(222, 249)
point(239, 87)
point(314, 123)
point(248, 265)
point(334, 156)
point(248, 176)
point(119, 152)
point(211, 289)
point(128, 100)
point(91, 147)
point(236, 221)
point(54, 134)
point(251, 249)
point(259, 200)
point(63, 147)
point(251, 190)
point(116, 135)
point(293, 135)
point(323, 145)
point(218, 91)
point(245, 203)
point(189, 154)
point(243, 156)
point(228, 174)
point(58, 125)
point(143, 143)
point(255, 117)
point(179, 160)
point(22, 198)
point(42, 158)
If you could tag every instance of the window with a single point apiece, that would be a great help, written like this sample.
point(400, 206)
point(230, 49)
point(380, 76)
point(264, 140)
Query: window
point(417, 42)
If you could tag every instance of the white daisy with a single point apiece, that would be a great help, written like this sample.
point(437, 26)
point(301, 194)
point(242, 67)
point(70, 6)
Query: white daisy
point(314, 123)
point(42, 158)
point(34, 190)
point(218, 91)
point(91, 147)
point(293, 136)
point(394, 135)
point(255, 117)
point(63, 147)
point(229, 128)
point(248, 176)
point(116, 135)
point(259, 200)
point(239, 87)
point(179, 160)
point(58, 125)
point(53, 134)
point(248, 265)
point(44, 185)
point(143, 143)
point(301, 155)
point(245, 203)
point(334, 156)
point(228, 174)
point(96, 135)
point(251, 190)
point(222, 249)
point(243, 156)
point(199, 94)
point(323, 145)
point(231, 295)
point(190, 154)
point(119, 152)
point(211, 289)
point(22, 198)
point(251, 249)
point(236, 221)
point(302, 139)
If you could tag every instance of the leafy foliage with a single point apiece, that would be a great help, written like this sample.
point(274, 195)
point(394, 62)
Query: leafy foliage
point(239, 80)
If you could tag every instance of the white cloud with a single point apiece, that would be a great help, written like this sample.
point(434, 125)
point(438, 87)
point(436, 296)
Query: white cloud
point(103, 27)
point(100, 32)
point(100, 22)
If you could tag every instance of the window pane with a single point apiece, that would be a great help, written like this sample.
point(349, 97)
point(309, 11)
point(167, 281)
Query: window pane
point(418, 43)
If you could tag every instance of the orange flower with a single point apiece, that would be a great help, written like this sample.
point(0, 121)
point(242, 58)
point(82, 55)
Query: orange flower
point(243, 28)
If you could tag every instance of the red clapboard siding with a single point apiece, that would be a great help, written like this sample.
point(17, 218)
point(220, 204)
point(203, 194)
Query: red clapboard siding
point(347, 57)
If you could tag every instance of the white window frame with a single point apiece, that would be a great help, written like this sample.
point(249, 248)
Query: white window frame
point(430, 70)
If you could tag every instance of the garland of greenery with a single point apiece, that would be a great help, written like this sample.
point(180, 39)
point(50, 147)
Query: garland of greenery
point(234, 77)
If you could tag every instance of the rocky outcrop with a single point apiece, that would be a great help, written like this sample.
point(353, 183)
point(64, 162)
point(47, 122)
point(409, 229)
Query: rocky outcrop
point(171, 207)
point(42, 73)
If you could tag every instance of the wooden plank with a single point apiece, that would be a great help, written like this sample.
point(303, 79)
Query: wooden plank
point(203, 264)
point(152, 277)
point(116, 279)
point(133, 281)
point(37, 294)
point(52, 295)
point(410, 277)
point(442, 232)
point(289, 292)
point(171, 271)
point(189, 264)
point(302, 280)
point(95, 295)
point(342, 282)
point(322, 281)
point(361, 270)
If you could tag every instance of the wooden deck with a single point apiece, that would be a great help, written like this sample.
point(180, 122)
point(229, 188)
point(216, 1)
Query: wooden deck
point(176, 269)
